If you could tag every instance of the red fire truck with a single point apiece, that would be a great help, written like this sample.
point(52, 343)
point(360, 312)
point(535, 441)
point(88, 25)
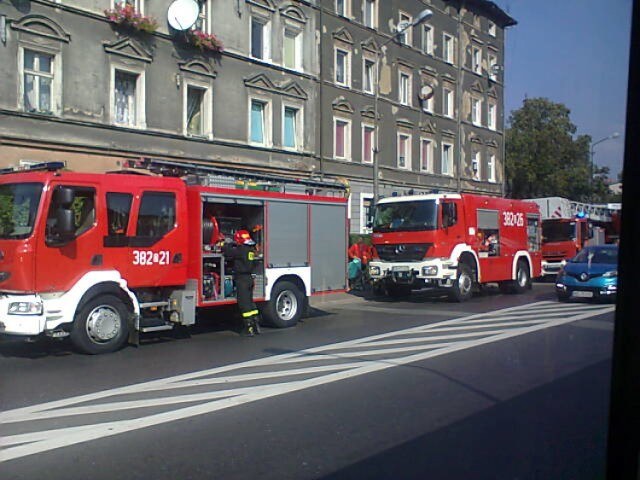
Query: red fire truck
point(102, 257)
point(453, 242)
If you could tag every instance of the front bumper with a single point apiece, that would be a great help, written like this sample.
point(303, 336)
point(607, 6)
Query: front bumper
point(571, 288)
point(21, 324)
point(429, 272)
point(551, 267)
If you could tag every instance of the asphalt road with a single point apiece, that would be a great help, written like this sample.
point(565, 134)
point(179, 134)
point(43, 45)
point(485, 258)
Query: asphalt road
point(501, 387)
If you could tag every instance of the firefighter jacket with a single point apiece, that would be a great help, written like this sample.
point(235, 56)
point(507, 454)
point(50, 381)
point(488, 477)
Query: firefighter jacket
point(244, 257)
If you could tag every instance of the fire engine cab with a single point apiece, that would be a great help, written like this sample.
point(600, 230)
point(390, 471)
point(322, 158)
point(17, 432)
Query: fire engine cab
point(453, 242)
point(103, 257)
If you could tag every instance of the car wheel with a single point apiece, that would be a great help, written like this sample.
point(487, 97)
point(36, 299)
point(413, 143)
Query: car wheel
point(462, 288)
point(101, 325)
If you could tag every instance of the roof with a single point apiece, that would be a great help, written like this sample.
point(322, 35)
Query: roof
point(490, 9)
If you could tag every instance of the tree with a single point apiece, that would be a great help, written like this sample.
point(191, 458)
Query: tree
point(544, 157)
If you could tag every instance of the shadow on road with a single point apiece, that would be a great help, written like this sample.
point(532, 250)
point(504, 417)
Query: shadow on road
point(557, 431)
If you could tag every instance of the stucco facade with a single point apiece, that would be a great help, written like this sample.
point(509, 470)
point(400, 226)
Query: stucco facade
point(81, 89)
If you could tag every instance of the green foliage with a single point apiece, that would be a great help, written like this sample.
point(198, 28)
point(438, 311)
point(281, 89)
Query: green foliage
point(544, 157)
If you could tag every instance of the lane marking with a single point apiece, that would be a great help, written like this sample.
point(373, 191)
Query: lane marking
point(23, 444)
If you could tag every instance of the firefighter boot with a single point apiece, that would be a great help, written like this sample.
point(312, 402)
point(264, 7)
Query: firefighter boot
point(255, 322)
point(248, 329)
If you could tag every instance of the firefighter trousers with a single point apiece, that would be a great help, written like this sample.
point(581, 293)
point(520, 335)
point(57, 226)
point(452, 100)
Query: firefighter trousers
point(244, 292)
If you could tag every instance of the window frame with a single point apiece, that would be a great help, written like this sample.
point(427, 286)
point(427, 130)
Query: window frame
point(140, 99)
point(408, 153)
point(476, 159)
point(491, 167)
point(55, 75)
point(298, 125)
point(476, 60)
point(448, 50)
point(476, 111)
point(373, 79)
point(428, 35)
point(138, 5)
point(207, 130)
point(492, 116)
point(447, 101)
point(347, 66)
point(347, 138)
point(406, 37)
point(429, 155)
point(267, 121)
point(365, 126)
point(297, 45)
point(266, 37)
point(346, 13)
point(374, 14)
point(450, 162)
point(405, 97)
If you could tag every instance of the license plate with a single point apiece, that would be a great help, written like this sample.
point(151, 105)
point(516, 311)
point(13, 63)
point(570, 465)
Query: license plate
point(400, 269)
point(582, 294)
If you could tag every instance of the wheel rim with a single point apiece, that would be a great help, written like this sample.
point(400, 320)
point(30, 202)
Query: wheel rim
point(286, 305)
point(464, 283)
point(522, 277)
point(103, 324)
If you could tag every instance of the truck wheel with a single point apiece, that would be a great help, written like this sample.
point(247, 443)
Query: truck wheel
point(101, 325)
point(523, 278)
point(462, 289)
point(286, 305)
point(398, 291)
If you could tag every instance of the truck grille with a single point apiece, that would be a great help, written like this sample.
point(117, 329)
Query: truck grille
point(403, 252)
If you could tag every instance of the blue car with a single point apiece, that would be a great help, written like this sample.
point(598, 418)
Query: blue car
point(591, 274)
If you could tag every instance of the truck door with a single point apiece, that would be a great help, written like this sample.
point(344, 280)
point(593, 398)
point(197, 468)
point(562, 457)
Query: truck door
point(158, 247)
point(61, 262)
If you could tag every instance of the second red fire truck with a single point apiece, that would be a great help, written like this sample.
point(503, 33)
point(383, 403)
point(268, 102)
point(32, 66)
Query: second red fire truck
point(454, 242)
point(103, 257)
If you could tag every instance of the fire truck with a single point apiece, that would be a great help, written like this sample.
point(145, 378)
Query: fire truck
point(568, 226)
point(454, 242)
point(101, 258)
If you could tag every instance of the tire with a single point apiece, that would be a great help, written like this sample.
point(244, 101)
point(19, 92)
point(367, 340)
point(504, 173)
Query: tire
point(398, 291)
point(462, 289)
point(286, 306)
point(101, 325)
point(522, 283)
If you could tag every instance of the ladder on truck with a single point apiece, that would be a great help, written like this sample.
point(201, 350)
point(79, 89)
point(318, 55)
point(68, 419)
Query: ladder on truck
point(244, 179)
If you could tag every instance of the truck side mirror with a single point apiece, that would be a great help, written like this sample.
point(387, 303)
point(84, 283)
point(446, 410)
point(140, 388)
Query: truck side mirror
point(63, 231)
point(64, 196)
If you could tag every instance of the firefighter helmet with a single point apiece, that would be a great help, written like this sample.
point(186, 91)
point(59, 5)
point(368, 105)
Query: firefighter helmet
point(243, 237)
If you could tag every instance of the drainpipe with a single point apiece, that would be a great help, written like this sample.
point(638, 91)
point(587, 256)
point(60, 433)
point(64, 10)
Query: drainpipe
point(459, 101)
point(320, 96)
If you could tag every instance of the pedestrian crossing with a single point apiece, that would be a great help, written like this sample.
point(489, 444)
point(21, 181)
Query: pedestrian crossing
point(69, 421)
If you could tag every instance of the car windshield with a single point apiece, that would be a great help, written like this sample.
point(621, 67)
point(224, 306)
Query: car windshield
point(406, 216)
point(558, 231)
point(18, 207)
point(597, 255)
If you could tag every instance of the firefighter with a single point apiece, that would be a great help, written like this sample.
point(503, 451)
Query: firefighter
point(242, 251)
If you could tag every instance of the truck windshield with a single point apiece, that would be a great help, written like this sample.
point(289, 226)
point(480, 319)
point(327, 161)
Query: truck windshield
point(18, 207)
point(558, 231)
point(406, 216)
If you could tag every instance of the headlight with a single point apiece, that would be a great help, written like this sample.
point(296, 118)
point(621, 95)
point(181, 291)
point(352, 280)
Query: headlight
point(25, 308)
point(429, 271)
point(610, 274)
point(374, 270)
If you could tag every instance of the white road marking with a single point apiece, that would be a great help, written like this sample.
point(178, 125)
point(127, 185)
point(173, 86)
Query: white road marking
point(405, 346)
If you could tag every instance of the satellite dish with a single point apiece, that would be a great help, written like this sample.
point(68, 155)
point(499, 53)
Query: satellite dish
point(183, 14)
point(426, 92)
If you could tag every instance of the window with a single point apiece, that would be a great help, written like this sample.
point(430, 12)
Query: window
point(405, 88)
point(157, 215)
point(342, 136)
point(203, 23)
point(476, 60)
point(260, 131)
point(343, 68)
point(491, 168)
point(492, 114)
point(404, 151)
point(492, 28)
point(493, 64)
point(447, 48)
point(343, 7)
point(406, 36)
point(533, 233)
point(368, 143)
point(38, 76)
point(476, 111)
point(292, 56)
point(195, 121)
point(126, 102)
point(260, 34)
point(488, 233)
point(366, 217)
point(83, 209)
point(136, 4)
point(475, 166)
point(447, 102)
point(427, 103)
point(368, 75)
point(447, 159)
point(292, 128)
point(370, 13)
point(426, 155)
point(118, 212)
point(427, 39)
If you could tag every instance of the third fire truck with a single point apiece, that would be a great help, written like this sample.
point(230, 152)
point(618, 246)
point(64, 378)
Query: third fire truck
point(454, 242)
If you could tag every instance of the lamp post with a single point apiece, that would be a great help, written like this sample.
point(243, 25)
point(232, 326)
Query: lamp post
point(593, 165)
point(400, 29)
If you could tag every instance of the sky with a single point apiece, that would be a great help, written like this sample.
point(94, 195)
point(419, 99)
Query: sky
point(574, 52)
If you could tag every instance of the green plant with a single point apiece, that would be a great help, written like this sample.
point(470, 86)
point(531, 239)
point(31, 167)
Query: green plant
point(205, 41)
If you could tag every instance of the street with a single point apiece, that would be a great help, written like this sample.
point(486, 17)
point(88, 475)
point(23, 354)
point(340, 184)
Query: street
point(502, 386)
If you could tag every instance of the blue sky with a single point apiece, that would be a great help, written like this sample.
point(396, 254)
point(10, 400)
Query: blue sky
point(574, 52)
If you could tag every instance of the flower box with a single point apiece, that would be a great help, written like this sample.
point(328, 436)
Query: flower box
point(127, 16)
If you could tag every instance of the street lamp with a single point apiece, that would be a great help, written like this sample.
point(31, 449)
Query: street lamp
point(593, 165)
point(400, 29)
